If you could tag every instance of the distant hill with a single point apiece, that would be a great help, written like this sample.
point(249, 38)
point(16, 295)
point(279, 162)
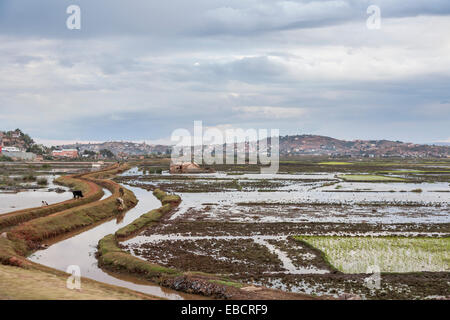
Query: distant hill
point(321, 145)
point(297, 145)
point(16, 139)
point(293, 145)
point(22, 141)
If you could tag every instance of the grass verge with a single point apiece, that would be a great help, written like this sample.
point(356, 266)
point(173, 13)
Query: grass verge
point(115, 259)
point(142, 222)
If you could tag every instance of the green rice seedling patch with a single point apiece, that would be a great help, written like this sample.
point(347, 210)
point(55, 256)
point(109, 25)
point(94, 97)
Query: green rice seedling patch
point(390, 254)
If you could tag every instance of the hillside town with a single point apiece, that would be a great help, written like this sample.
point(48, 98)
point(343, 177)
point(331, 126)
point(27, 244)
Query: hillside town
point(325, 146)
point(16, 145)
point(120, 149)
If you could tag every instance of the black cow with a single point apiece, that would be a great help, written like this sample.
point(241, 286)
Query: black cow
point(77, 194)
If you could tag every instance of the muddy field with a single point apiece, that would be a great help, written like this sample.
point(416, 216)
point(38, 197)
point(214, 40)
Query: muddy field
point(244, 226)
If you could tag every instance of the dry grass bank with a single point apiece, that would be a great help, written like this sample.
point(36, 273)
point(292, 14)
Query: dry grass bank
point(33, 284)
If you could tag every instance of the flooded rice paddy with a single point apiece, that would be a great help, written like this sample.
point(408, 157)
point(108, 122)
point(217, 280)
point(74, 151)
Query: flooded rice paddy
point(292, 198)
point(29, 198)
point(242, 225)
point(20, 187)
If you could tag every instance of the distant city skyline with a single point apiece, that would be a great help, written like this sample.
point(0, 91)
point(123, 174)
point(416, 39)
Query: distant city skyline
point(304, 67)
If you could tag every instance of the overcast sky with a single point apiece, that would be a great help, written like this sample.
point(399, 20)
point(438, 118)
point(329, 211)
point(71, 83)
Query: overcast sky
point(137, 70)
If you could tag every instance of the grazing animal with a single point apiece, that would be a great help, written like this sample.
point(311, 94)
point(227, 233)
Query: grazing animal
point(77, 194)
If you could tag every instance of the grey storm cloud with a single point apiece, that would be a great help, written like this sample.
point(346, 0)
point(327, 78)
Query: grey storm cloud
point(198, 17)
point(140, 69)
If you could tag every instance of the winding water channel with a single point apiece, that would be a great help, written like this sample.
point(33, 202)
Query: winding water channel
point(80, 250)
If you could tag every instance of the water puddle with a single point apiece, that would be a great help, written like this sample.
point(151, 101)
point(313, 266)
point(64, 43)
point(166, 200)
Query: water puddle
point(106, 194)
point(287, 262)
point(14, 201)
